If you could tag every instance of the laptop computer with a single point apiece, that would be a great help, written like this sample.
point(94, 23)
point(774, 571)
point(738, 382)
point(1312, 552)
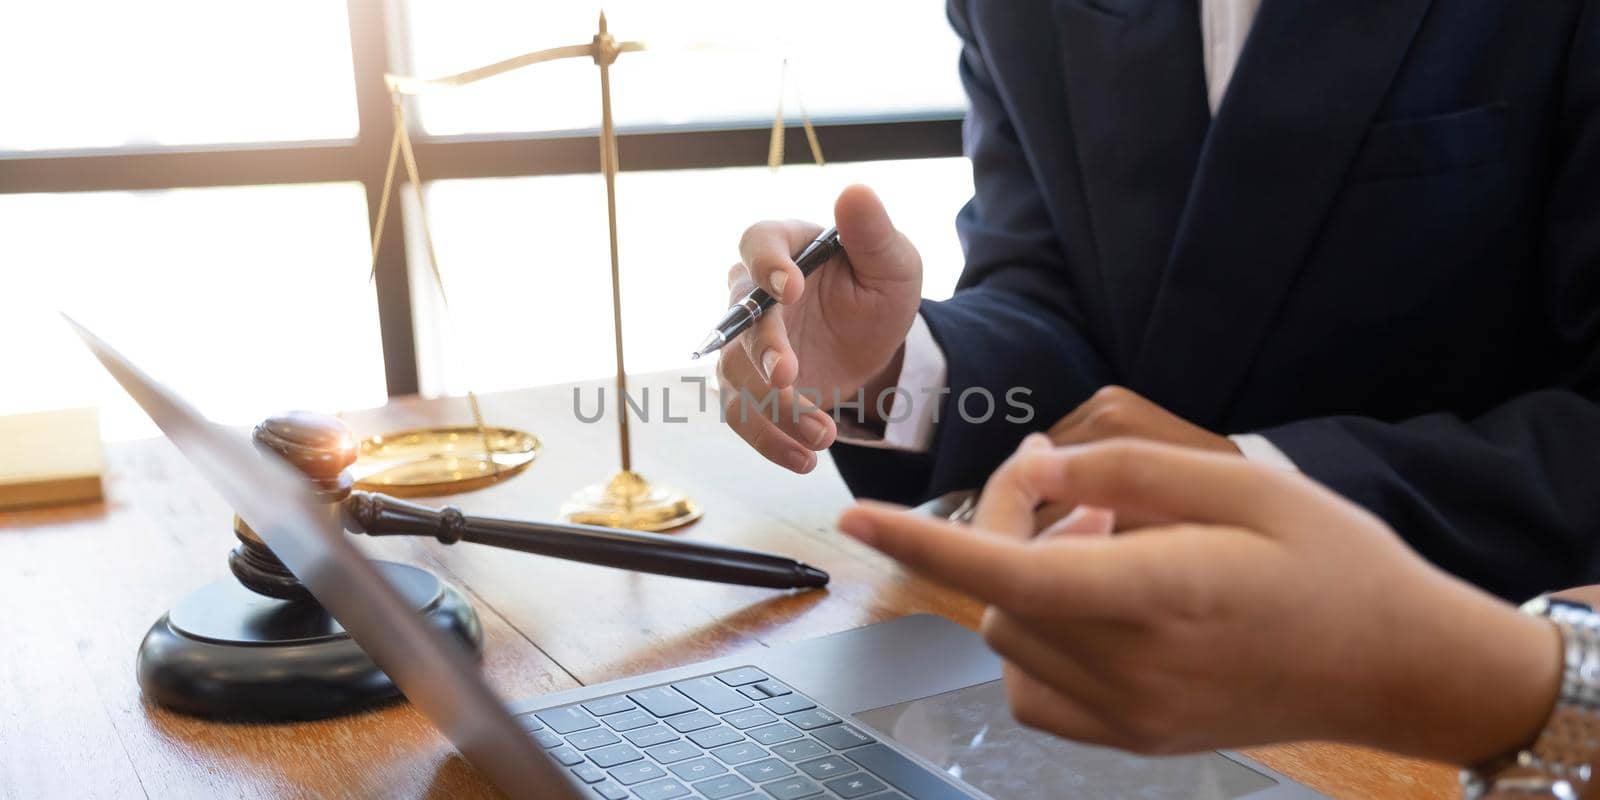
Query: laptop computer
point(911, 709)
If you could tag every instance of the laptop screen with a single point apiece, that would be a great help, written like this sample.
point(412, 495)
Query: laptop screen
point(308, 536)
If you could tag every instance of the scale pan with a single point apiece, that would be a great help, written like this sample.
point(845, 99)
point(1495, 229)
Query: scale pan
point(428, 462)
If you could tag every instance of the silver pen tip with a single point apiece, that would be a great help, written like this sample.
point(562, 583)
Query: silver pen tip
point(714, 342)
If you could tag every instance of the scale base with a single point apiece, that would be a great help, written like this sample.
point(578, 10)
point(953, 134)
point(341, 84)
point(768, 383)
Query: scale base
point(225, 651)
point(628, 501)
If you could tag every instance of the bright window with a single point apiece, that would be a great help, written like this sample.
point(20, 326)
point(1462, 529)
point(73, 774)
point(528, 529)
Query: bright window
point(254, 298)
point(714, 61)
point(248, 300)
point(527, 269)
point(93, 74)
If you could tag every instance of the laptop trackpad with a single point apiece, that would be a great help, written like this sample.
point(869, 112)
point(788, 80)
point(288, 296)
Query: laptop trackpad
point(971, 734)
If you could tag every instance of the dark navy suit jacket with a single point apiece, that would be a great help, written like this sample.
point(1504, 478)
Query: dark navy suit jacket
point(1382, 253)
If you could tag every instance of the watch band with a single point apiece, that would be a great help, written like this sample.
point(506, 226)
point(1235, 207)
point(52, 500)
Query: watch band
point(1560, 762)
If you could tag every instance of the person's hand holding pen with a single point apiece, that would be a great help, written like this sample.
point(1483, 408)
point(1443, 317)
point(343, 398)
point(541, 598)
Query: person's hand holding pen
point(837, 334)
point(1240, 605)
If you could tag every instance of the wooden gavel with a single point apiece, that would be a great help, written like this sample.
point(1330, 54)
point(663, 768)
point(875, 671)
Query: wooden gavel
point(323, 447)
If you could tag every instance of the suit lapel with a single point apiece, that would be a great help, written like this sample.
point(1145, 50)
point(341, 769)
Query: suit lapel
point(1308, 85)
point(1136, 95)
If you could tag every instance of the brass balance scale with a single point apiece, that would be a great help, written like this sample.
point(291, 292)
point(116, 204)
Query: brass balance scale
point(453, 459)
point(256, 645)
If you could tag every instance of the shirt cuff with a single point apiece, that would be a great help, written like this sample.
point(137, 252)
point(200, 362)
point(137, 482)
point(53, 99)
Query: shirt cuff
point(913, 412)
point(1261, 450)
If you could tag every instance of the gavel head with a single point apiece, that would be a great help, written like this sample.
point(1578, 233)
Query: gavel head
point(319, 445)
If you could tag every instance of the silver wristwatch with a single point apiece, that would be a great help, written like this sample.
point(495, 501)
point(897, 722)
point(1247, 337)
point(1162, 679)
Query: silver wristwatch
point(1561, 760)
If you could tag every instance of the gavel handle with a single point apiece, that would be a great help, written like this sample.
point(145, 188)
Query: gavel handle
point(382, 515)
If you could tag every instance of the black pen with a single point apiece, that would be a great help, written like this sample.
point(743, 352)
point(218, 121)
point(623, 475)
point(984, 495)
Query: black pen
point(744, 313)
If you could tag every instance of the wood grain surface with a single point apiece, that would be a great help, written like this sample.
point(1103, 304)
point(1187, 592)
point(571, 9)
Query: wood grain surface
point(81, 585)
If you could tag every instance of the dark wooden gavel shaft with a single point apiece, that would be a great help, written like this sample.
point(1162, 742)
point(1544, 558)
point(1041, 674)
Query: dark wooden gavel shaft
point(382, 515)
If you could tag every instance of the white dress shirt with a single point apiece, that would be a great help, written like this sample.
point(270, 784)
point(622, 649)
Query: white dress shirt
point(1224, 25)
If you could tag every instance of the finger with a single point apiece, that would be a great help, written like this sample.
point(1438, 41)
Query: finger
point(998, 570)
point(742, 409)
point(735, 371)
point(1086, 701)
point(1056, 662)
point(1155, 481)
point(1042, 706)
point(1082, 521)
point(767, 342)
point(739, 282)
point(1097, 672)
point(761, 433)
point(1080, 578)
point(766, 345)
point(804, 420)
point(767, 250)
point(879, 253)
point(1066, 657)
point(796, 413)
point(1050, 673)
point(1007, 503)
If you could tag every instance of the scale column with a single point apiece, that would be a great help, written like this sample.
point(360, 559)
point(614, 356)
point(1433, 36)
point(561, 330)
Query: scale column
point(627, 500)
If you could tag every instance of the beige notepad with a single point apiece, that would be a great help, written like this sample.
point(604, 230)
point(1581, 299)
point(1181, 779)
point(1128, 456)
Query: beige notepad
point(50, 458)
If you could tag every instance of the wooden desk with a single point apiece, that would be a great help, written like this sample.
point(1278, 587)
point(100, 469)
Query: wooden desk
point(80, 586)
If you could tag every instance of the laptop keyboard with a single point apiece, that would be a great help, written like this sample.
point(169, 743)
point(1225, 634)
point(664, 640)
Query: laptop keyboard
point(735, 735)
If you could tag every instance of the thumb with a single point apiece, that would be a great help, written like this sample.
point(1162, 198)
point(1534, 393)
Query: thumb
point(877, 250)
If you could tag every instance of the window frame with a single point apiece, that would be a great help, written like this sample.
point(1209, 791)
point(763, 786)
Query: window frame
point(364, 159)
